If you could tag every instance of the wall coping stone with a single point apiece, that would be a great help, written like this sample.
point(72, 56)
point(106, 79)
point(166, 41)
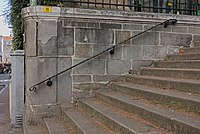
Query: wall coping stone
point(36, 12)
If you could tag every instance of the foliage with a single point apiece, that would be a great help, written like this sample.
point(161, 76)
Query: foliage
point(12, 15)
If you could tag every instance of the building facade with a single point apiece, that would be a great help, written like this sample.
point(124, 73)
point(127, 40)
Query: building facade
point(6, 48)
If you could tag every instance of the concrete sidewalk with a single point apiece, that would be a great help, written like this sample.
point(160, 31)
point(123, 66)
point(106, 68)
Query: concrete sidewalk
point(5, 127)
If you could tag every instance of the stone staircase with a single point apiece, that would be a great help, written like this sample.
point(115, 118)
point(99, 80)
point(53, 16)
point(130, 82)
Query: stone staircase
point(163, 99)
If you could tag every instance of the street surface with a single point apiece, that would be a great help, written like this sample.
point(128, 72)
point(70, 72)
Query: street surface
point(5, 127)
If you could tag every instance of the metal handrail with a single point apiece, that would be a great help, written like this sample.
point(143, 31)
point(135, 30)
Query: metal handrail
point(110, 49)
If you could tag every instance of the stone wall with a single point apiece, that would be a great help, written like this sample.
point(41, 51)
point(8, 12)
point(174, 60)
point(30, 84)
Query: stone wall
point(66, 36)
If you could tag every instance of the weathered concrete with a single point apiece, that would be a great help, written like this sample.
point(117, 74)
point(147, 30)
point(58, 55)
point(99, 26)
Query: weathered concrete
point(17, 88)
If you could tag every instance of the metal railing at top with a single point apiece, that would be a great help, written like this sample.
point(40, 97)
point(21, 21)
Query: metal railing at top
point(187, 7)
point(111, 50)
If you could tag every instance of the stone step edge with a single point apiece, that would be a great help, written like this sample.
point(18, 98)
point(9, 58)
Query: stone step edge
point(67, 118)
point(172, 83)
point(105, 117)
point(155, 116)
point(170, 69)
point(80, 127)
point(180, 73)
point(92, 105)
point(176, 61)
point(59, 121)
point(149, 93)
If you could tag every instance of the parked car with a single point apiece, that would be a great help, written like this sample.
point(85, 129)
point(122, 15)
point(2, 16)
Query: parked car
point(7, 68)
point(2, 68)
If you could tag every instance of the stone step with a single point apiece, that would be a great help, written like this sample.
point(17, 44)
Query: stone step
point(171, 72)
point(179, 123)
point(38, 128)
point(192, 64)
point(118, 120)
point(186, 85)
point(57, 125)
point(83, 124)
point(183, 57)
point(194, 50)
point(181, 100)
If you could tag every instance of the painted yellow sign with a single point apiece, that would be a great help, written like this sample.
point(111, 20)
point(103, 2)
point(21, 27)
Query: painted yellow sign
point(170, 4)
point(47, 9)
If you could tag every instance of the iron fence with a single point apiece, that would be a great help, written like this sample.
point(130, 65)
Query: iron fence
point(187, 7)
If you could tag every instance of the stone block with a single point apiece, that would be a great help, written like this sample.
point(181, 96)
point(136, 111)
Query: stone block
point(110, 26)
point(30, 39)
point(65, 44)
point(178, 29)
point(154, 52)
point(149, 38)
point(175, 39)
point(86, 89)
point(121, 36)
point(83, 50)
point(64, 83)
point(172, 50)
point(103, 36)
point(194, 30)
point(46, 30)
point(74, 23)
point(107, 78)
point(137, 64)
point(132, 27)
point(158, 29)
point(132, 52)
point(82, 78)
point(118, 67)
point(196, 38)
point(79, 24)
point(93, 25)
point(38, 69)
point(94, 66)
point(99, 48)
point(49, 48)
point(34, 114)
